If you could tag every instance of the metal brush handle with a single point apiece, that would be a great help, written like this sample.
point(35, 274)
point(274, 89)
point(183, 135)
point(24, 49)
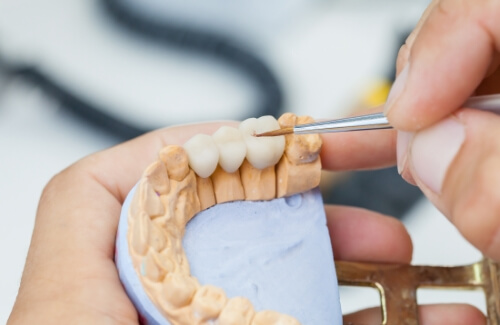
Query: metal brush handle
point(357, 123)
point(377, 121)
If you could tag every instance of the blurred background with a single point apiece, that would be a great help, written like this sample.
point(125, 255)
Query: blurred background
point(78, 76)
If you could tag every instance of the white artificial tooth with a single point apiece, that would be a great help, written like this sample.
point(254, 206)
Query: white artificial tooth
point(232, 148)
point(262, 152)
point(203, 154)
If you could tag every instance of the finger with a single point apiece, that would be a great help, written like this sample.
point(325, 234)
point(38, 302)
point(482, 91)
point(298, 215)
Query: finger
point(455, 163)
point(456, 314)
point(452, 53)
point(359, 150)
point(92, 208)
point(451, 314)
point(404, 51)
point(120, 167)
point(367, 316)
point(421, 22)
point(366, 236)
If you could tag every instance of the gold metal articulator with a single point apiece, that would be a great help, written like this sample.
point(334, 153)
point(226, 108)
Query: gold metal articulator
point(398, 284)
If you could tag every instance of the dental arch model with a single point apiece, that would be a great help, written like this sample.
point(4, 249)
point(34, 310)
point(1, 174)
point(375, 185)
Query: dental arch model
point(230, 165)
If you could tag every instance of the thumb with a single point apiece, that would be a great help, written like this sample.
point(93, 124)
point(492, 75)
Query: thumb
point(452, 52)
point(455, 163)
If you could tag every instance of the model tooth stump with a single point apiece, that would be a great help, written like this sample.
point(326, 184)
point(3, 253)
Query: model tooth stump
point(258, 251)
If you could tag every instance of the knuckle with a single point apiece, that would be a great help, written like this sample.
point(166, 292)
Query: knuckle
point(448, 8)
point(455, 9)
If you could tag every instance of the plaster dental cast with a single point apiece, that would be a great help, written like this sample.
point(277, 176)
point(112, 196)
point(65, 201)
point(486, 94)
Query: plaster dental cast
point(282, 270)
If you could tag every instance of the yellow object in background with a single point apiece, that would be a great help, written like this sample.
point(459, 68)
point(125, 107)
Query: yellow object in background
point(377, 93)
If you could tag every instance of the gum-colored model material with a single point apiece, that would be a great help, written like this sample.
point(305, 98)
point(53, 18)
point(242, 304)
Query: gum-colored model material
point(170, 193)
point(205, 189)
point(227, 186)
point(259, 184)
point(299, 166)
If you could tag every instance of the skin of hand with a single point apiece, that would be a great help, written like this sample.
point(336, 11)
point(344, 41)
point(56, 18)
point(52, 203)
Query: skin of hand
point(353, 150)
point(446, 149)
point(70, 276)
point(452, 152)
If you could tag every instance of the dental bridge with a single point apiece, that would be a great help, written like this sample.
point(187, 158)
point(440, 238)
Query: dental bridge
point(231, 165)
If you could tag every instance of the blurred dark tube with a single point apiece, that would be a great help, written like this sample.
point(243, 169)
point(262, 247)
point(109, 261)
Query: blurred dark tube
point(217, 46)
point(182, 37)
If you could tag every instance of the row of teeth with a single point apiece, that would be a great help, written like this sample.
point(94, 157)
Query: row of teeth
point(229, 146)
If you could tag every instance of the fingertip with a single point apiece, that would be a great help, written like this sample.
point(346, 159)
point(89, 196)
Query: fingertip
point(457, 314)
point(358, 150)
point(365, 316)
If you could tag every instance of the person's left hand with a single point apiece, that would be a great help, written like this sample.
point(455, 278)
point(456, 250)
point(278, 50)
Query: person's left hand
point(70, 276)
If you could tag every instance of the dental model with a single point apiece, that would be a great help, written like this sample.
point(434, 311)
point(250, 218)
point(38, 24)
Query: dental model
point(230, 165)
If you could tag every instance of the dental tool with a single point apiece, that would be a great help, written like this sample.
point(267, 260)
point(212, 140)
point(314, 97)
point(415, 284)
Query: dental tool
point(376, 121)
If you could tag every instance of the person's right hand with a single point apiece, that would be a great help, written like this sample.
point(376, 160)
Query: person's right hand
point(452, 153)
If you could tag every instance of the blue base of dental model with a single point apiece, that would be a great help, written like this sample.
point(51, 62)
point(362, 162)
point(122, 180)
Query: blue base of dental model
point(275, 253)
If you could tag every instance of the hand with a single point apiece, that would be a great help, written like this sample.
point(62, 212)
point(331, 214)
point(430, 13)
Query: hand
point(377, 238)
point(452, 153)
point(70, 276)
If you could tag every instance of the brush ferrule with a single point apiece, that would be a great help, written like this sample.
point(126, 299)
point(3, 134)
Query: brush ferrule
point(357, 123)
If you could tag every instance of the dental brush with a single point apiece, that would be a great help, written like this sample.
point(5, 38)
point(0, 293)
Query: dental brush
point(376, 121)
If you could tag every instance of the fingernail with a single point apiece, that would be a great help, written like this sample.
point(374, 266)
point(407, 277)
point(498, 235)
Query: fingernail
point(403, 141)
point(434, 149)
point(396, 89)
